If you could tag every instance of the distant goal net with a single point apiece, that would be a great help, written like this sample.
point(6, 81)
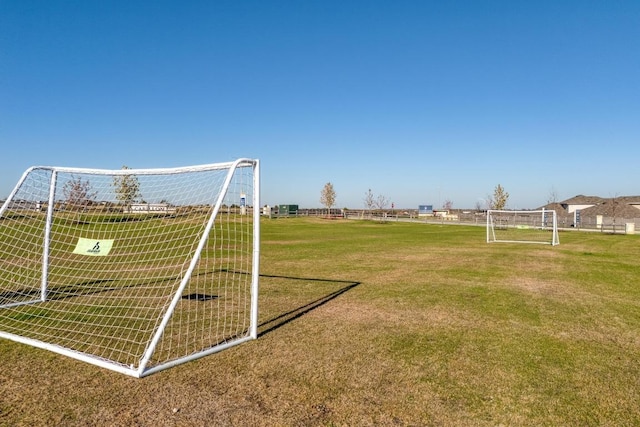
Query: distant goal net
point(538, 226)
point(134, 270)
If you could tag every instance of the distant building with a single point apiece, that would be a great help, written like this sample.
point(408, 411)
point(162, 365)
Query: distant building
point(286, 210)
point(593, 210)
point(150, 208)
point(425, 210)
point(23, 205)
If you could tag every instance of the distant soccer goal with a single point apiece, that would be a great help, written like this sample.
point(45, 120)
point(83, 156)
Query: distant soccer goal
point(539, 226)
point(134, 270)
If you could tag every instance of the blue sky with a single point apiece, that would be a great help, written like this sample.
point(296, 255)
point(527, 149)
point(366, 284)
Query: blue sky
point(419, 101)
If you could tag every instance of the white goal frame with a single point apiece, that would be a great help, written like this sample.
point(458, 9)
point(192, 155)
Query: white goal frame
point(177, 279)
point(523, 226)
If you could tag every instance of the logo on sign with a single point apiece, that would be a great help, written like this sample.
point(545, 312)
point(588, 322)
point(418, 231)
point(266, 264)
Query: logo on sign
point(93, 247)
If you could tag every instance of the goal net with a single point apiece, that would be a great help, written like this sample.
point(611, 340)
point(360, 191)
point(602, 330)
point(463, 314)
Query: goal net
point(134, 270)
point(539, 226)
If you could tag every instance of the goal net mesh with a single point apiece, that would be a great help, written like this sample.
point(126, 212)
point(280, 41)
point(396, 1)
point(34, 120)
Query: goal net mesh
point(132, 269)
point(539, 226)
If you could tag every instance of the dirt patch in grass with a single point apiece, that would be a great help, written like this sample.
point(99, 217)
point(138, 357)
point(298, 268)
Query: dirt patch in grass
point(397, 314)
point(541, 287)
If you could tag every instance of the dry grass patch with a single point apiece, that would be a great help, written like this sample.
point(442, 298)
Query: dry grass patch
point(391, 316)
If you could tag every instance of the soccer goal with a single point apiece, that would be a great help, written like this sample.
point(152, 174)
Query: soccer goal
point(134, 270)
point(539, 226)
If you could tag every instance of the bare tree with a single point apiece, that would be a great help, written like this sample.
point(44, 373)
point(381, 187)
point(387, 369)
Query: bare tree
point(369, 201)
point(447, 205)
point(78, 193)
point(328, 197)
point(614, 209)
point(381, 202)
point(500, 197)
point(490, 204)
point(553, 196)
point(127, 188)
point(381, 205)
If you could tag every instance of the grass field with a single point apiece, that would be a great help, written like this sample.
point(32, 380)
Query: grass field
point(400, 324)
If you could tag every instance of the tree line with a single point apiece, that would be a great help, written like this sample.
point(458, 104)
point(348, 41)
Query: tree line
point(79, 192)
point(328, 199)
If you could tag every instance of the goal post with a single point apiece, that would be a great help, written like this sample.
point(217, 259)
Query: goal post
point(534, 226)
point(134, 270)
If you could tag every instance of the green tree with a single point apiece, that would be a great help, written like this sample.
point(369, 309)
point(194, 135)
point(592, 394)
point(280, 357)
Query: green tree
point(328, 197)
point(500, 197)
point(127, 188)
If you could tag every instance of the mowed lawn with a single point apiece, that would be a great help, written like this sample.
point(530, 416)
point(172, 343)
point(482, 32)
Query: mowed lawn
point(399, 324)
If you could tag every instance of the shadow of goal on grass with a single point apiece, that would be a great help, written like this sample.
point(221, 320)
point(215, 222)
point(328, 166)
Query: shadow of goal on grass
point(317, 292)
